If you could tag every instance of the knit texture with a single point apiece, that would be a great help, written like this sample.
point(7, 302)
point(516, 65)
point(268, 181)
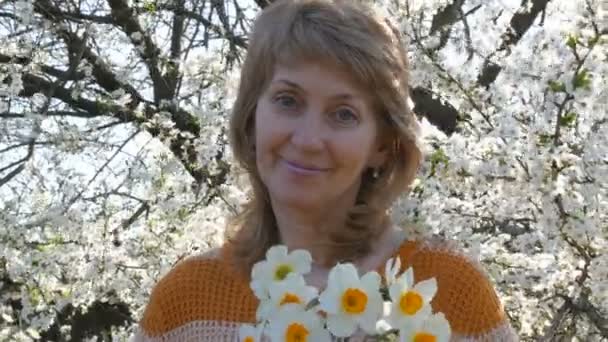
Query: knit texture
point(203, 299)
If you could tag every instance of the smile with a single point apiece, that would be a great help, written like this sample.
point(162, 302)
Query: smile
point(302, 170)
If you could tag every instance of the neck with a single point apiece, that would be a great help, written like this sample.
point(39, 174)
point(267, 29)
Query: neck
point(310, 227)
point(383, 248)
point(310, 230)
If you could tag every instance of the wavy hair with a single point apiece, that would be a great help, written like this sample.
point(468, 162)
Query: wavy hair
point(352, 36)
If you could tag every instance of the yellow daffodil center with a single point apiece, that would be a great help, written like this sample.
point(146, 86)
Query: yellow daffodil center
point(289, 298)
point(354, 301)
point(424, 337)
point(282, 271)
point(410, 303)
point(296, 332)
point(249, 339)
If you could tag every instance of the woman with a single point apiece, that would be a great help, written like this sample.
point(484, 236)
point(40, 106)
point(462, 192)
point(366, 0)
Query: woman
point(322, 126)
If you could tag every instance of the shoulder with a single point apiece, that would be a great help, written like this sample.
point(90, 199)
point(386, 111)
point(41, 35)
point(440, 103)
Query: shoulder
point(200, 288)
point(465, 293)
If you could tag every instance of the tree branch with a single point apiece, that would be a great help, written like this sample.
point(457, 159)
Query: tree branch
point(100, 71)
point(263, 3)
point(446, 16)
point(239, 41)
point(20, 168)
point(125, 17)
point(439, 113)
point(44, 68)
point(84, 188)
point(77, 114)
point(521, 21)
point(34, 84)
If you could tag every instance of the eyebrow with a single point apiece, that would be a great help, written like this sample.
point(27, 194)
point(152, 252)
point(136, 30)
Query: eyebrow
point(344, 96)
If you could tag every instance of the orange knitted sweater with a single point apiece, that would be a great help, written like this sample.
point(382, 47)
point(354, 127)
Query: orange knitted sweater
point(202, 299)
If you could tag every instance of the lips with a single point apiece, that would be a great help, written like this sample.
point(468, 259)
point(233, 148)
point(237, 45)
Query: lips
point(303, 169)
point(304, 166)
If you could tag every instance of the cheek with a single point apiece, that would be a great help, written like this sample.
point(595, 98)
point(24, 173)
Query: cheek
point(355, 160)
point(261, 127)
point(271, 128)
point(355, 149)
point(265, 138)
point(269, 135)
point(261, 144)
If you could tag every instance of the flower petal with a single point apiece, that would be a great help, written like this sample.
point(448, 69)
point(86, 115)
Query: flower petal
point(435, 324)
point(368, 321)
point(310, 293)
point(276, 253)
point(295, 279)
point(329, 301)
point(321, 335)
point(259, 289)
point(373, 312)
point(341, 326)
point(427, 289)
point(371, 282)
point(258, 269)
point(301, 259)
point(343, 275)
point(396, 289)
point(391, 269)
point(248, 330)
point(408, 276)
point(425, 312)
point(264, 310)
point(439, 325)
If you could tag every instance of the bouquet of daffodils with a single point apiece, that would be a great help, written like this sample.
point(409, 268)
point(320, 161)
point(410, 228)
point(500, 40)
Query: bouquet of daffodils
point(292, 311)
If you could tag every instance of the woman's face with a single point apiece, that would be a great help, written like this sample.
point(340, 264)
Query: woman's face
point(315, 134)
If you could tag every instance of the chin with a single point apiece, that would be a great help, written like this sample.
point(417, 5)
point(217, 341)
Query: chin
point(296, 199)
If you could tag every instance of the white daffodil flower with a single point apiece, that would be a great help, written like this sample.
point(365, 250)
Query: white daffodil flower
point(411, 303)
point(250, 333)
point(391, 269)
point(292, 290)
point(350, 301)
point(275, 268)
point(293, 324)
point(435, 328)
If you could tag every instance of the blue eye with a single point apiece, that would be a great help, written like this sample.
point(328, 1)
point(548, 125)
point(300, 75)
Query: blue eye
point(285, 101)
point(345, 117)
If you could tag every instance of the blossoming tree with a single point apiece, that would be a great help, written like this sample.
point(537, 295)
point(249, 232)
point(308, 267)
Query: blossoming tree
point(114, 162)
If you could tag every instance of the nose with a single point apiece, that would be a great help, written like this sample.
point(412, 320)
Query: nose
point(308, 132)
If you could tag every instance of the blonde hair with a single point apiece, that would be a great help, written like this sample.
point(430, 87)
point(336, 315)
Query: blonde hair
point(352, 36)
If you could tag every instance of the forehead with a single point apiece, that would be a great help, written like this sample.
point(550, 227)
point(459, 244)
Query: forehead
point(320, 74)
